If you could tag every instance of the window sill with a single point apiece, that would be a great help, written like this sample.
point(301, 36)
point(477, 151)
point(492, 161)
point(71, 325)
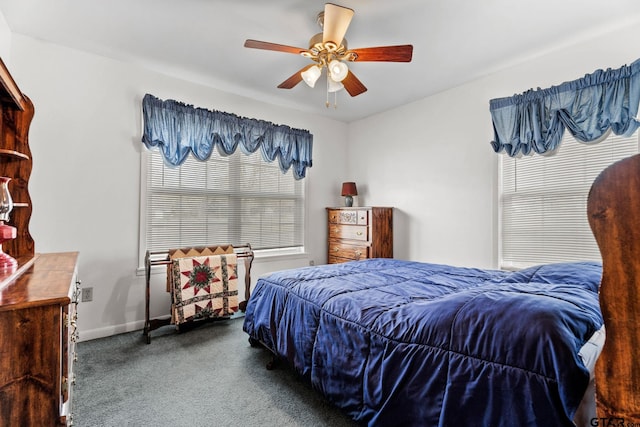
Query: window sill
point(279, 254)
point(260, 256)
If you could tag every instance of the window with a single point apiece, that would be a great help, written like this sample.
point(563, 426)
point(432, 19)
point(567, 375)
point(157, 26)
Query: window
point(233, 199)
point(543, 201)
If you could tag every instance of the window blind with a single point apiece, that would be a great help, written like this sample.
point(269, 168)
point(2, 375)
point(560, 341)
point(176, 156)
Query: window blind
point(543, 201)
point(233, 199)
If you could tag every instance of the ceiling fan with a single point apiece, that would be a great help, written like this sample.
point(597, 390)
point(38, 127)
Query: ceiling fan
point(329, 50)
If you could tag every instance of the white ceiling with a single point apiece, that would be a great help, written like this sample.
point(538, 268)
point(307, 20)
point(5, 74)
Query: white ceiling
point(455, 41)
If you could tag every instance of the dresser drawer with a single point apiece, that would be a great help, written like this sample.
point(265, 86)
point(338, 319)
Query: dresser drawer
point(349, 252)
point(351, 232)
point(349, 217)
point(338, 260)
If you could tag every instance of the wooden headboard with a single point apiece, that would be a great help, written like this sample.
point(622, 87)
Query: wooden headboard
point(614, 215)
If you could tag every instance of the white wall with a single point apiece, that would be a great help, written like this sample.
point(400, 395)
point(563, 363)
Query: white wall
point(432, 160)
point(5, 41)
point(437, 172)
point(85, 185)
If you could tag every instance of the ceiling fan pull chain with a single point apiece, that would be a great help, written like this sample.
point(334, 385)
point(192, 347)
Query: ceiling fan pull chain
point(327, 101)
point(335, 92)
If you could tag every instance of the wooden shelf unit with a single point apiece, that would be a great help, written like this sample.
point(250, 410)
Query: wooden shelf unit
point(16, 113)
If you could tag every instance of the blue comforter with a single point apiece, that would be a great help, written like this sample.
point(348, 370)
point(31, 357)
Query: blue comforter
point(400, 343)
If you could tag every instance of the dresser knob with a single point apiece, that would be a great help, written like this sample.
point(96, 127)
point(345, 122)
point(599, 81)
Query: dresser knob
point(336, 249)
point(359, 233)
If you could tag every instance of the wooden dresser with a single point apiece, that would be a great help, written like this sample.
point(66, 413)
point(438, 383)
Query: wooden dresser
point(37, 342)
point(359, 233)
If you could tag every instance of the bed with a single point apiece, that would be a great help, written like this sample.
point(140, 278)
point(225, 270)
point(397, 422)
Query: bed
point(395, 342)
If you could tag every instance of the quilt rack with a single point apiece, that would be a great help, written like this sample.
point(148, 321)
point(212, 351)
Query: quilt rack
point(154, 258)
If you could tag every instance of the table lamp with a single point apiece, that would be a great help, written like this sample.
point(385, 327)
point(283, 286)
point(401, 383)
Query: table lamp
point(348, 191)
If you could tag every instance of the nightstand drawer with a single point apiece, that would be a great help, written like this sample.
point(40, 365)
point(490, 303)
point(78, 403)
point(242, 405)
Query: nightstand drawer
point(352, 232)
point(351, 252)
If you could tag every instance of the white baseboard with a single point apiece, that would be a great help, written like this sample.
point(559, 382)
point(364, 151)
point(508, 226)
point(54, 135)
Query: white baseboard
point(92, 334)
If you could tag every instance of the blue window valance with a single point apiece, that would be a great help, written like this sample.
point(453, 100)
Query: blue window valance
point(178, 129)
point(535, 120)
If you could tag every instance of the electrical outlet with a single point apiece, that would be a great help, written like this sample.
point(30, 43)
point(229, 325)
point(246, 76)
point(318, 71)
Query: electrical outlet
point(87, 294)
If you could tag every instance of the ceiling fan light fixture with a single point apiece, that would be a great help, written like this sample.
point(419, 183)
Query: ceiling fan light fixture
point(334, 86)
point(311, 75)
point(338, 70)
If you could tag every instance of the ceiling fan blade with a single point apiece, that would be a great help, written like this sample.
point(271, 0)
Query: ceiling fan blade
point(336, 21)
point(353, 85)
point(257, 44)
point(294, 79)
point(400, 53)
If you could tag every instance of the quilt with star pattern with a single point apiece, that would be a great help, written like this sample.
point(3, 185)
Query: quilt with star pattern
point(204, 287)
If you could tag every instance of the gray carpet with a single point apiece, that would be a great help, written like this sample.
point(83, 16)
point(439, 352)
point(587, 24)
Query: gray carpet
point(206, 376)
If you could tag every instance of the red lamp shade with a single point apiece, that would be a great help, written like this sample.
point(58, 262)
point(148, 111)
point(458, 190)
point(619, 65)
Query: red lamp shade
point(349, 189)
